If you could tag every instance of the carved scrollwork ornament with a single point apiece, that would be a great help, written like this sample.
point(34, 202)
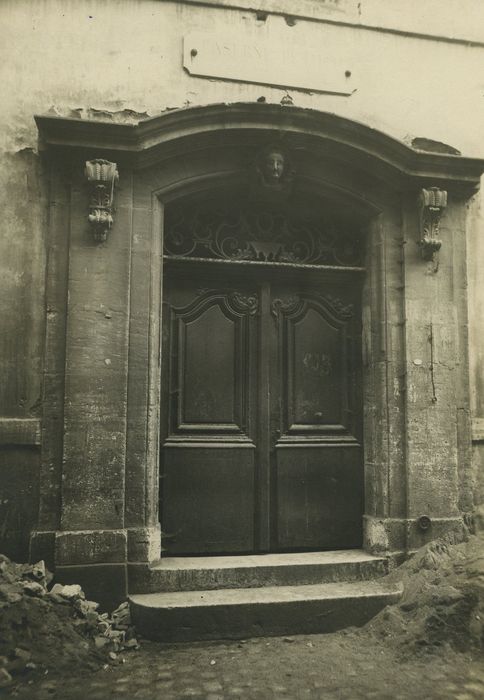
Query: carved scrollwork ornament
point(241, 303)
point(247, 303)
point(258, 234)
point(341, 308)
point(432, 202)
point(102, 176)
point(285, 305)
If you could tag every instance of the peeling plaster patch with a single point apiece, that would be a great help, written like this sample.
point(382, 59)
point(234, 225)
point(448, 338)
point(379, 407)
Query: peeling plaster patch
point(20, 138)
point(124, 115)
point(422, 143)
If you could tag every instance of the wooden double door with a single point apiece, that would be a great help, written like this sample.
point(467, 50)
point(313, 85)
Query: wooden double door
point(261, 427)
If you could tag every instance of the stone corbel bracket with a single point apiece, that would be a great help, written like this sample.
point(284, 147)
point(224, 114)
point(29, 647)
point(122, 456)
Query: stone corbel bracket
point(432, 203)
point(102, 176)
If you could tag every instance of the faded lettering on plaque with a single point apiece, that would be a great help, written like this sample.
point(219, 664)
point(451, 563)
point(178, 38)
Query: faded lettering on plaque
point(269, 62)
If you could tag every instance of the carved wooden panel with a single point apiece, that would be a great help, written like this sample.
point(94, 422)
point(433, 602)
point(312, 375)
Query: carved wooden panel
point(206, 353)
point(208, 499)
point(319, 497)
point(315, 369)
point(316, 381)
point(207, 489)
point(210, 363)
point(317, 457)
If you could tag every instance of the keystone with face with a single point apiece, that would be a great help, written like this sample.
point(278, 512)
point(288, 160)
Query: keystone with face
point(274, 163)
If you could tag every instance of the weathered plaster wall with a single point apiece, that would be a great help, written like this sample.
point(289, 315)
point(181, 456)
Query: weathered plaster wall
point(127, 54)
point(22, 260)
point(122, 59)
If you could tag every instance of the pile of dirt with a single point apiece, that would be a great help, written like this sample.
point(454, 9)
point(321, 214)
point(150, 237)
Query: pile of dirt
point(54, 629)
point(442, 601)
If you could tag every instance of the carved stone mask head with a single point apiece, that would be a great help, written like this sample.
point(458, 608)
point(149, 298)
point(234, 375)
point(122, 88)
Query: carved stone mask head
point(274, 165)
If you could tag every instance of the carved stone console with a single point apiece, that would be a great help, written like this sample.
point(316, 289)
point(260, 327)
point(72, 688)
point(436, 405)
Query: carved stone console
point(432, 203)
point(102, 176)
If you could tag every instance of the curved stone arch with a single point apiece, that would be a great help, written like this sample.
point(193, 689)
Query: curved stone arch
point(153, 139)
point(194, 150)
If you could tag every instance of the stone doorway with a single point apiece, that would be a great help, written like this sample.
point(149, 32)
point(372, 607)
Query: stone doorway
point(99, 502)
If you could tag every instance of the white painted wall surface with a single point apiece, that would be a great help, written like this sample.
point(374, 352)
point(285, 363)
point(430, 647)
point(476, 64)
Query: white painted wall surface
point(68, 55)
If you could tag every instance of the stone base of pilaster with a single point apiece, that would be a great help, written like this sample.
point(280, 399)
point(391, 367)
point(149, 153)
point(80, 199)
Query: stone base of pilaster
point(96, 559)
point(391, 536)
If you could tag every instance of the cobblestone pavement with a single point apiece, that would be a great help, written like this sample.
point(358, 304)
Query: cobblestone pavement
point(330, 667)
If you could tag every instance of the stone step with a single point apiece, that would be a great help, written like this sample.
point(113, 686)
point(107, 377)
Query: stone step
point(258, 612)
point(252, 571)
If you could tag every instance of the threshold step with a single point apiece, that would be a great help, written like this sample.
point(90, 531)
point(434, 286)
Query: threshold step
point(252, 571)
point(259, 612)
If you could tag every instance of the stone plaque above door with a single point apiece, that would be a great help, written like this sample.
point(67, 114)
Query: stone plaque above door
point(267, 62)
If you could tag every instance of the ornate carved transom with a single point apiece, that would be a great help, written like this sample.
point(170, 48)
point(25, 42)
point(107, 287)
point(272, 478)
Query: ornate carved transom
point(259, 234)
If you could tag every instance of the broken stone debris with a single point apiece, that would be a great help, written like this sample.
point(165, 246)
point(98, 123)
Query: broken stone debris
point(48, 628)
point(57, 629)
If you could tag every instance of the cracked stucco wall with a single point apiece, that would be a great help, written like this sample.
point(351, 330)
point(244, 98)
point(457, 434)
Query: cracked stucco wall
point(122, 60)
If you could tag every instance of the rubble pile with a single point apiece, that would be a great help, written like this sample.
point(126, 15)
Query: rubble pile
point(442, 601)
point(55, 628)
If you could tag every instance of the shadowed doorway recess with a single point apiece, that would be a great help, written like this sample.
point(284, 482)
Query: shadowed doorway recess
point(262, 405)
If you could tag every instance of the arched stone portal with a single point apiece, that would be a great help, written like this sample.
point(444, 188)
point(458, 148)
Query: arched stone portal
point(99, 516)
